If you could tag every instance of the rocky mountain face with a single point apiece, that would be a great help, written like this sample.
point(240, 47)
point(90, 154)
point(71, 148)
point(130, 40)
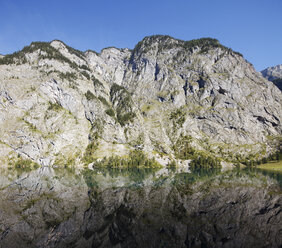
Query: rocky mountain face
point(274, 74)
point(58, 104)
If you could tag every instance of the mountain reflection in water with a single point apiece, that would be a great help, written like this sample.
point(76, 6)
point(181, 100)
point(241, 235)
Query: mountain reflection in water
point(139, 208)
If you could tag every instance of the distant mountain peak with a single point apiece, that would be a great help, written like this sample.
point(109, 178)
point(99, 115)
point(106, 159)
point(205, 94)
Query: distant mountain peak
point(274, 74)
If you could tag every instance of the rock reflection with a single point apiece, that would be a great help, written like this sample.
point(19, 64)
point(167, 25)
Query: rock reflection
point(139, 208)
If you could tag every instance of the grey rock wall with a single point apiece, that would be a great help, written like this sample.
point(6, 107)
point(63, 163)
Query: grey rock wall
point(53, 99)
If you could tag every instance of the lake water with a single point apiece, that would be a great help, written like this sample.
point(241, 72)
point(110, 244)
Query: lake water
point(140, 208)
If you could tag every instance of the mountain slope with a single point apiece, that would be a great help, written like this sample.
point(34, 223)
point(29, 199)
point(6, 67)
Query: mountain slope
point(166, 96)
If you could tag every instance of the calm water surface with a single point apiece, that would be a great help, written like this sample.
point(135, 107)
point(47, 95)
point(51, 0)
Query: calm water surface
point(140, 208)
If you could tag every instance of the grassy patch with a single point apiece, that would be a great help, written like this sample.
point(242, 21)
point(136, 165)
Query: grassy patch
point(89, 95)
point(251, 161)
point(273, 166)
point(110, 112)
point(104, 101)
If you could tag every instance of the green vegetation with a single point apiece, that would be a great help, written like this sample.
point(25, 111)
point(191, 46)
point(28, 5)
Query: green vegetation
point(96, 82)
point(183, 148)
point(85, 74)
point(211, 158)
point(104, 101)
point(204, 43)
point(91, 148)
point(54, 106)
point(139, 142)
point(136, 159)
point(125, 118)
point(251, 161)
point(31, 126)
point(117, 88)
point(167, 42)
point(272, 166)
point(47, 52)
point(69, 76)
point(89, 152)
point(50, 72)
point(97, 129)
point(110, 112)
point(200, 159)
point(90, 96)
point(121, 98)
point(178, 117)
point(67, 163)
point(84, 67)
point(23, 164)
point(105, 48)
point(91, 51)
point(76, 52)
point(172, 165)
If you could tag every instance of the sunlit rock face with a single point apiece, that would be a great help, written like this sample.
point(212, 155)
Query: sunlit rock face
point(274, 74)
point(142, 208)
point(55, 100)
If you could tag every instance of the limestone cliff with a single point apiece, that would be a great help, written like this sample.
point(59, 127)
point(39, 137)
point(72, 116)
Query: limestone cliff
point(55, 101)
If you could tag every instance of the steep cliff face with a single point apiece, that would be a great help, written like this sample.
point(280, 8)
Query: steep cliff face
point(55, 101)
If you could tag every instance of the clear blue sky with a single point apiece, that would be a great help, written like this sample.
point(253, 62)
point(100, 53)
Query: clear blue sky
point(252, 27)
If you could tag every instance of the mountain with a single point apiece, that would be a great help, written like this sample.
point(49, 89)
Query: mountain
point(274, 74)
point(167, 97)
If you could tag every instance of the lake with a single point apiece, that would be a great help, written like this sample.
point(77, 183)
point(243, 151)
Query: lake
point(103, 207)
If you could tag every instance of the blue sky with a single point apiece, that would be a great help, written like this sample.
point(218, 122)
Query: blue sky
point(251, 27)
